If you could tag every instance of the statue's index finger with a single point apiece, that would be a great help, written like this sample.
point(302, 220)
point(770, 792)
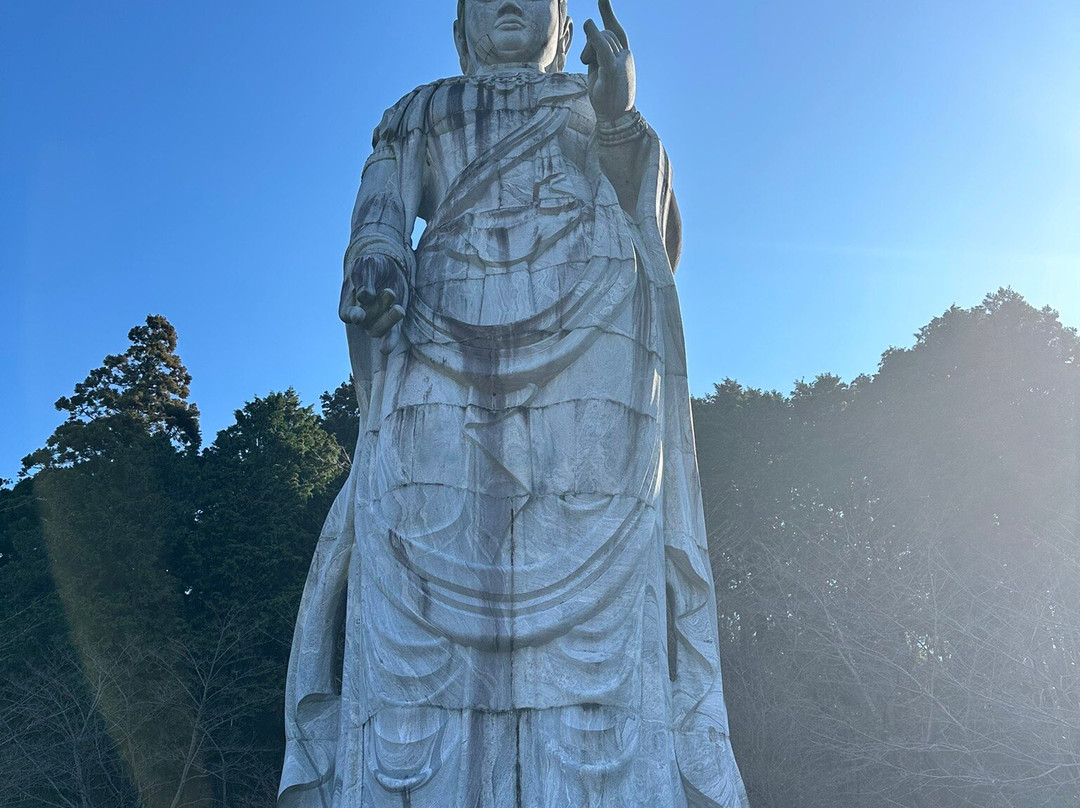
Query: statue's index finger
point(611, 22)
point(599, 47)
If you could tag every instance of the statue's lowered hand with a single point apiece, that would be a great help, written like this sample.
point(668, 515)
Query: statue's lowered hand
point(372, 294)
point(612, 78)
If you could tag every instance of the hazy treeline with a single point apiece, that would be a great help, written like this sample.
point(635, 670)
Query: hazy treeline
point(898, 568)
point(897, 562)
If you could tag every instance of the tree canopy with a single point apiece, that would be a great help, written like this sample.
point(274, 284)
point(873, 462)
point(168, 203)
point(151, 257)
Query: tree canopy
point(143, 391)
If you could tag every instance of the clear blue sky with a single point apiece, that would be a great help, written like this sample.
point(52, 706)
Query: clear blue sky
point(846, 170)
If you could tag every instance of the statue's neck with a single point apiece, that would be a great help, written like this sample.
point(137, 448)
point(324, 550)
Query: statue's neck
point(509, 67)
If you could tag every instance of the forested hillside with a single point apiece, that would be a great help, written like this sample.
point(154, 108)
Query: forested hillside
point(897, 561)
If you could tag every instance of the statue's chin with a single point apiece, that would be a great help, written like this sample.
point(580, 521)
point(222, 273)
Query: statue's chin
point(513, 48)
point(515, 42)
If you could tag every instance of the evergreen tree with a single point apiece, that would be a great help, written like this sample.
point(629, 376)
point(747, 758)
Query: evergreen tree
point(111, 508)
point(32, 625)
point(265, 487)
point(140, 392)
point(341, 415)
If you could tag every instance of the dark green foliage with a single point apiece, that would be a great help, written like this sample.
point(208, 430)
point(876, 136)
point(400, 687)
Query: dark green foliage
point(141, 391)
point(112, 530)
point(101, 522)
point(112, 527)
point(112, 503)
point(32, 624)
point(265, 486)
point(341, 415)
point(95, 538)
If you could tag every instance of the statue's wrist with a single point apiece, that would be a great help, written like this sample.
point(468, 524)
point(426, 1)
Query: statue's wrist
point(627, 128)
point(365, 248)
point(394, 257)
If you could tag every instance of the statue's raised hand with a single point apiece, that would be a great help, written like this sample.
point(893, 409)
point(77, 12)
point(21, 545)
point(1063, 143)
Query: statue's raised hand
point(371, 293)
point(612, 81)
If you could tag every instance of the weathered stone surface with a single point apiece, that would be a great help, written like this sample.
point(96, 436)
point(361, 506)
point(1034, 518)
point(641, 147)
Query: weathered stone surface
point(520, 552)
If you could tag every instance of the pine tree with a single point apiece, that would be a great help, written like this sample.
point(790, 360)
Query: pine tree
point(140, 392)
point(112, 496)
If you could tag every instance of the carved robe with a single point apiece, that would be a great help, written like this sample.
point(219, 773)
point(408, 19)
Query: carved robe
point(519, 555)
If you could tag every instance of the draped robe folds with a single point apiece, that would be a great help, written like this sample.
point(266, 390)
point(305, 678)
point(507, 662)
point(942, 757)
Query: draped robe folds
point(519, 555)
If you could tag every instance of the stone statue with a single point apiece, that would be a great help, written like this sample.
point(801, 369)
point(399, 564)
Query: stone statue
point(519, 556)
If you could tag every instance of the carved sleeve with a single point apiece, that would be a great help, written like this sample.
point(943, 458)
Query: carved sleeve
point(392, 183)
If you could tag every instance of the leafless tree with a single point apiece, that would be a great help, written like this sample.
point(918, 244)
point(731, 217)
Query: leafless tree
point(79, 734)
point(55, 744)
point(875, 665)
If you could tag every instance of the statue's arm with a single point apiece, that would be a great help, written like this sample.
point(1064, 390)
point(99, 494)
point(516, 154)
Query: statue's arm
point(621, 133)
point(380, 222)
point(637, 166)
point(376, 284)
point(623, 145)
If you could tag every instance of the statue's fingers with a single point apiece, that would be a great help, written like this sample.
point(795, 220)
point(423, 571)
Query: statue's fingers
point(363, 279)
point(588, 55)
point(601, 45)
point(366, 294)
point(387, 298)
point(616, 45)
point(352, 315)
point(611, 22)
point(388, 320)
point(347, 303)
